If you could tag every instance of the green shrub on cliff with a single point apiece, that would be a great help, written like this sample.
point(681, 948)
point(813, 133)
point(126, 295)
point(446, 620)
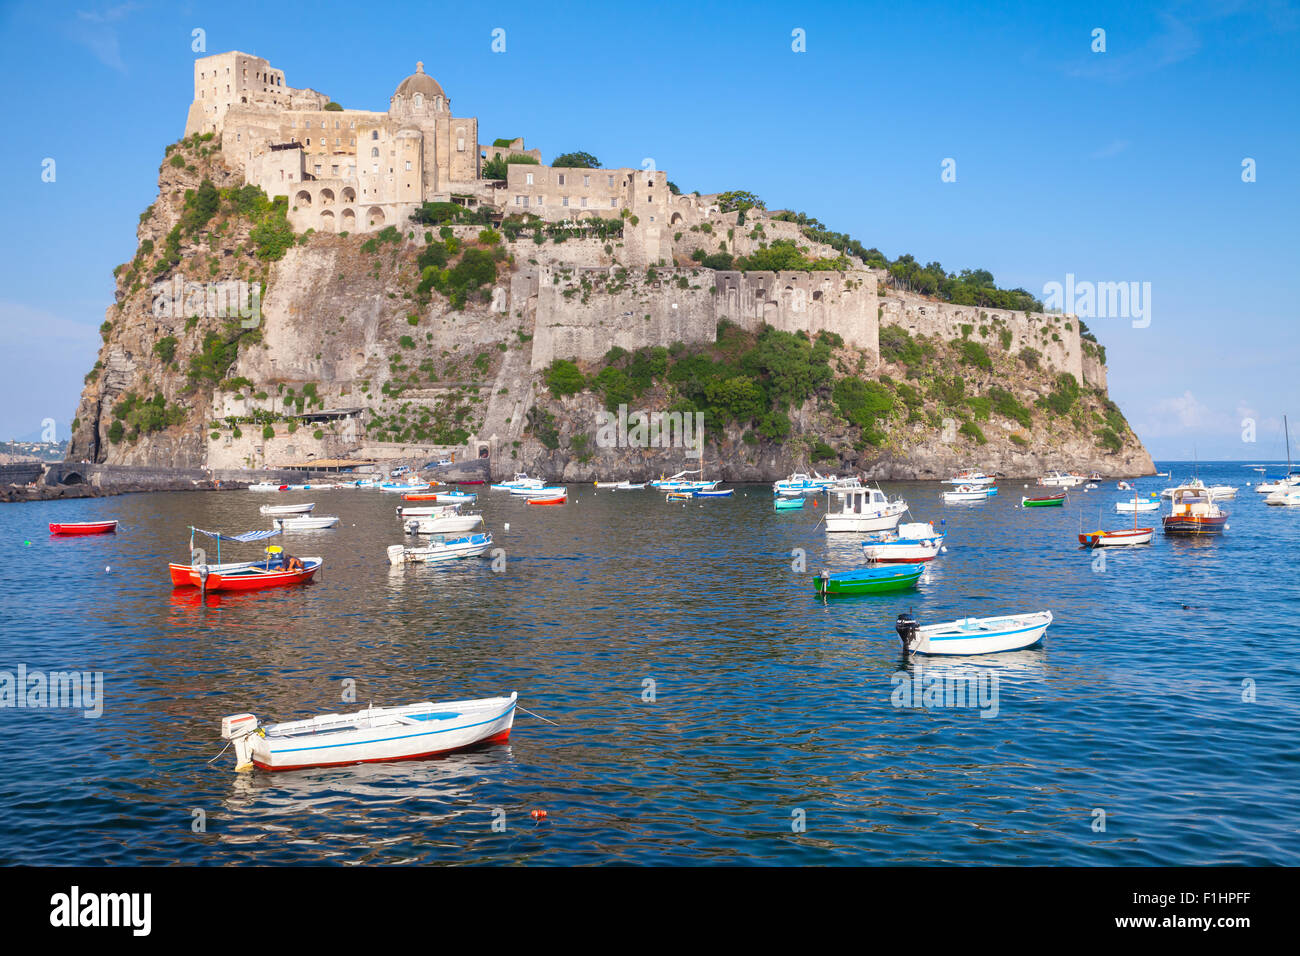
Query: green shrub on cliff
point(273, 236)
point(973, 353)
point(972, 431)
point(863, 404)
point(564, 378)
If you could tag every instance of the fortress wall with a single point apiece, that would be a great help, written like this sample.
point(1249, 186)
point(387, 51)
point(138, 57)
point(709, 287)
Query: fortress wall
point(1094, 373)
point(1061, 347)
point(844, 303)
point(641, 314)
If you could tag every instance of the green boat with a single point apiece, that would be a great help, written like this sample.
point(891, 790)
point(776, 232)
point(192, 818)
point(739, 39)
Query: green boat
point(1046, 501)
point(789, 504)
point(881, 580)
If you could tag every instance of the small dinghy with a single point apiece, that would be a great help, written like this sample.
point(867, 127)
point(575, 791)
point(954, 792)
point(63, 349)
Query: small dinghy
point(541, 491)
point(251, 577)
point(629, 486)
point(373, 735)
point(789, 504)
point(882, 580)
point(288, 510)
point(973, 635)
point(679, 496)
point(915, 543)
point(443, 524)
point(607, 484)
point(266, 486)
point(550, 500)
point(1044, 501)
point(426, 511)
point(304, 523)
point(1137, 504)
point(441, 549)
point(966, 493)
point(83, 527)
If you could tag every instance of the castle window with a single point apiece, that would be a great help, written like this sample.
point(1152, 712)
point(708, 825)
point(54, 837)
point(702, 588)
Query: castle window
point(530, 179)
point(611, 181)
point(539, 200)
point(374, 151)
point(308, 140)
point(584, 202)
point(374, 134)
point(408, 164)
point(334, 171)
point(564, 201)
point(419, 101)
point(613, 204)
point(586, 180)
point(561, 179)
point(306, 124)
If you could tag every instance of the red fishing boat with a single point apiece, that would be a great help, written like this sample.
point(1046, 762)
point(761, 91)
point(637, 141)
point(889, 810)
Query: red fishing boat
point(83, 527)
point(269, 572)
point(420, 497)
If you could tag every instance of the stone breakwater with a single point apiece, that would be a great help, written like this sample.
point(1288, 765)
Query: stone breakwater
point(85, 480)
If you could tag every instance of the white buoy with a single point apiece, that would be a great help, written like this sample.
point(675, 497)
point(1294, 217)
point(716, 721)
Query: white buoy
point(107, 569)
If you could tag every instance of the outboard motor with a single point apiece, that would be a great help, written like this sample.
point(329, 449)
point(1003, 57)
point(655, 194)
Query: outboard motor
point(909, 632)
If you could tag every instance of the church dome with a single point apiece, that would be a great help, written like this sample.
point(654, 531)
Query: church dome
point(419, 82)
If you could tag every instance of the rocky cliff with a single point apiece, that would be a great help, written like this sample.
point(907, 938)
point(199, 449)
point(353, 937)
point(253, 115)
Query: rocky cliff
point(512, 341)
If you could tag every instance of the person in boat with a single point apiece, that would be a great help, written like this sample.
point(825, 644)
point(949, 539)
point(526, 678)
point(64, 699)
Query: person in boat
point(278, 558)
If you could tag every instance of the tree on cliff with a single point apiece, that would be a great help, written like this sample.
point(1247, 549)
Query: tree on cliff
point(498, 166)
point(576, 161)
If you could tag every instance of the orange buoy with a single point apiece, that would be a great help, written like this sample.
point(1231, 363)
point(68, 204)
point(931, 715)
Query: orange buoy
point(539, 814)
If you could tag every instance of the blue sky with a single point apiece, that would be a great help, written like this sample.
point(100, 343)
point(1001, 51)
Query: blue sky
point(1117, 166)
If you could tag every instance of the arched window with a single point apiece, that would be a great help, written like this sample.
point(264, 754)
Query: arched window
point(374, 151)
point(374, 134)
point(419, 100)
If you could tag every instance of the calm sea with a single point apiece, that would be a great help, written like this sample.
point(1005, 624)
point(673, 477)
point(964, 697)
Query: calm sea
point(707, 708)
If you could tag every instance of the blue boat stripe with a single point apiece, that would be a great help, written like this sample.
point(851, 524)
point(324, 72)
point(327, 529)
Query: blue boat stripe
point(426, 733)
point(977, 634)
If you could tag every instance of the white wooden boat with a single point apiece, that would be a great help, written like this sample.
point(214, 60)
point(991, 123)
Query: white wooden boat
point(425, 511)
point(372, 735)
point(862, 509)
point(443, 524)
point(1137, 504)
point(441, 548)
point(304, 523)
point(966, 493)
point(973, 635)
point(288, 510)
point(606, 484)
point(800, 484)
point(914, 543)
point(1112, 539)
point(629, 486)
point(265, 486)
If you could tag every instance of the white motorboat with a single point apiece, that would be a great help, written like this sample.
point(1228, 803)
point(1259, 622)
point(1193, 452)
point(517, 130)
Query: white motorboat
point(287, 510)
point(862, 509)
point(973, 635)
point(1213, 492)
point(520, 480)
point(629, 486)
point(443, 524)
point(265, 486)
point(1284, 497)
point(800, 484)
point(426, 511)
point(372, 735)
point(913, 543)
point(441, 548)
point(1060, 479)
point(303, 523)
point(542, 491)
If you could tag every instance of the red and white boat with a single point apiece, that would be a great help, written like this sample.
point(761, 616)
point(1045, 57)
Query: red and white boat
point(251, 577)
point(1194, 512)
point(83, 527)
point(1106, 539)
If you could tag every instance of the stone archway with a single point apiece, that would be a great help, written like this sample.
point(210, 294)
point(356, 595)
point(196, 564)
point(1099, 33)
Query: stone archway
point(348, 220)
point(302, 198)
point(374, 217)
point(326, 220)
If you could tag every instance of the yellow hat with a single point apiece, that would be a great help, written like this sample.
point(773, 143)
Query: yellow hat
point(274, 549)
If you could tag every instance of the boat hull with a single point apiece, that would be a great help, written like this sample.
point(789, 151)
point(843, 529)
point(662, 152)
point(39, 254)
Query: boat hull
point(77, 528)
point(863, 522)
point(251, 578)
point(386, 743)
point(1195, 525)
point(887, 580)
point(986, 636)
point(1110, 539)
point(1050, 501)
